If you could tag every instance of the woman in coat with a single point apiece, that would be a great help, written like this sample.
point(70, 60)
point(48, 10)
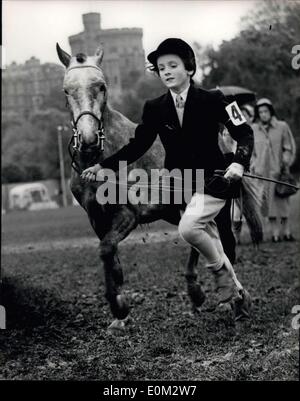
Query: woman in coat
point(274, 151)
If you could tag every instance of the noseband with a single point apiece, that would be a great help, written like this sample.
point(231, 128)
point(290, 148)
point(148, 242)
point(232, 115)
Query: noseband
point(76, 138)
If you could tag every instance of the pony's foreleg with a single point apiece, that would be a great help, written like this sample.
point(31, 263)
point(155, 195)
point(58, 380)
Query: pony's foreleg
point(113, 279)
point(194, 289)
point(124, 222)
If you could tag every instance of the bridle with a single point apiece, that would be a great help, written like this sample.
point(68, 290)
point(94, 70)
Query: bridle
point(76, 139)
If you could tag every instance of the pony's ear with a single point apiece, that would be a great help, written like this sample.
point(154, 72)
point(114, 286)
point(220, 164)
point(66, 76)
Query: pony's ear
point(99, 55)
point(63, 56)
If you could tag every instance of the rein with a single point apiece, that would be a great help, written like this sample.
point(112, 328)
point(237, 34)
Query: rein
point(258, 177)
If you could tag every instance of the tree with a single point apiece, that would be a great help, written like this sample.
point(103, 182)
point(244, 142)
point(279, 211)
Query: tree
point(12, 173)
point(46, 121)
point(20, 154)
point(147, 87)
point(30, 148)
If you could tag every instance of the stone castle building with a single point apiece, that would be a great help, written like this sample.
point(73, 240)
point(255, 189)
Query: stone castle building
point(26, 86)
point(124, 58)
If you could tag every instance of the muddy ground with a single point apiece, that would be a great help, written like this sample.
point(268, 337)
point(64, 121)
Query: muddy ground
point(57, 316)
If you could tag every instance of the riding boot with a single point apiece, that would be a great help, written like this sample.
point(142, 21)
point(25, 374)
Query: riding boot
point(241, 306)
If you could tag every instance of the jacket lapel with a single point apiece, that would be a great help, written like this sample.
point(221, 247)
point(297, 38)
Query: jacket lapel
point(169, 113)
point(190, 108)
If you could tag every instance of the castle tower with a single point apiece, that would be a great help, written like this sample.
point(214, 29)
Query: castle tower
point(124, 58)
point(91, 22)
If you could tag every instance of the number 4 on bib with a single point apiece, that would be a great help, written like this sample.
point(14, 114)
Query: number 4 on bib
point(235, 114)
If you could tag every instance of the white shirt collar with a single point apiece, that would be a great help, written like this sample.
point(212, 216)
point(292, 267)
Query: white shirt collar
point(182, 94)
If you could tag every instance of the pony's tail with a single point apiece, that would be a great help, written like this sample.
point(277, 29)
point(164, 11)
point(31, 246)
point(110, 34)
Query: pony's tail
point(251, 205)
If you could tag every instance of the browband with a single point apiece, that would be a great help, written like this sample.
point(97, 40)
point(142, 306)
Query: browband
point(84, 66)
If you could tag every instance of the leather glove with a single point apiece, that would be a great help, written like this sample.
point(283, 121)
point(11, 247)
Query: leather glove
point(234, 172)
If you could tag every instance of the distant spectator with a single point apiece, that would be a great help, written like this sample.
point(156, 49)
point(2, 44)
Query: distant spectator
point(274, 151)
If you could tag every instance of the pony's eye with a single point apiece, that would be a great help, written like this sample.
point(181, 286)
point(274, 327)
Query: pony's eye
point(102, 88)
point(66, 92)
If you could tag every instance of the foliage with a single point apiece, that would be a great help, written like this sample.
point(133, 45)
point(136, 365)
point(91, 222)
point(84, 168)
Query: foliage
point(30, 148)
point(147, 87)
point(19, 155)
point(259, 58)
point(47, 122)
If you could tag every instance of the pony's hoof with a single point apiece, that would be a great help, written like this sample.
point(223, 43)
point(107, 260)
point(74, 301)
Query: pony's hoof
point(123, 308)
point(117, 327)
point(119, 307)
point(196, 310)
point(241, 306)
point(196, 294)
point(223, 307)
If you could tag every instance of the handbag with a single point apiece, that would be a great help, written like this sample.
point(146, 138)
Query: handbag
point(284, 191)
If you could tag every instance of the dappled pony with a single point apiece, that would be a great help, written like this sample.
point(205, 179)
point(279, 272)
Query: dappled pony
point(98, 132)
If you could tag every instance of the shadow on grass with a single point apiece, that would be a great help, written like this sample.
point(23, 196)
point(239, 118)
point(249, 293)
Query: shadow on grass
point(29, 307)
point(37, 316)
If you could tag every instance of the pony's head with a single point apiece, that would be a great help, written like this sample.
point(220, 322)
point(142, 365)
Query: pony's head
point(86, 92)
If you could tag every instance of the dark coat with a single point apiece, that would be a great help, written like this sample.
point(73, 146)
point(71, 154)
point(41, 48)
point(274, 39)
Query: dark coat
point(195, 144)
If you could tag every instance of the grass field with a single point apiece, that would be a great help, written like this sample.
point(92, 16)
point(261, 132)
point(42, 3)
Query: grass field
point(57, 315)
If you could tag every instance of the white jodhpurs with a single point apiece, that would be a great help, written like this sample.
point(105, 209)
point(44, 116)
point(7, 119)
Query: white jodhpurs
point(198, 228)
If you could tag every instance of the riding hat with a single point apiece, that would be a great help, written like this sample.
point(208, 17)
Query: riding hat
point(178, 47)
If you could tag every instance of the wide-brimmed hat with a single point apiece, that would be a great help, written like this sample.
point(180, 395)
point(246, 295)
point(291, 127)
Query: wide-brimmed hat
point(264, 102)
point(174, 46)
